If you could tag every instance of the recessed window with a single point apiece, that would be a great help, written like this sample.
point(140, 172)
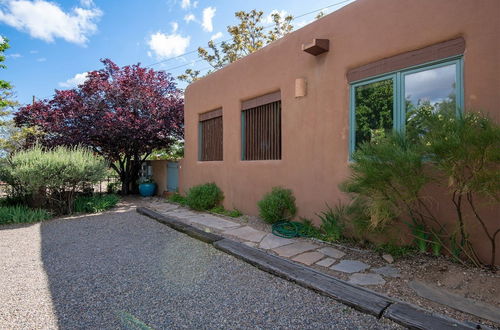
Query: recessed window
point(210, 136)
point(261, 128)
point(382, 104)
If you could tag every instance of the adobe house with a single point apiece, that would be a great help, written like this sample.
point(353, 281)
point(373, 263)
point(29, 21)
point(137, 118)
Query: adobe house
point(286, 114)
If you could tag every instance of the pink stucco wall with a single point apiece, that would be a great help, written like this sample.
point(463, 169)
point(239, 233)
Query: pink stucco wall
point(315, 128)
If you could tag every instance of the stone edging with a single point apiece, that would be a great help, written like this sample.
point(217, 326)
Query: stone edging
point(360, 298)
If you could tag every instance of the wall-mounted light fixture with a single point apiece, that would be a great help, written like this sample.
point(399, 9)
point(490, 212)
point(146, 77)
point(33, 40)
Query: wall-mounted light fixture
point(300, 87)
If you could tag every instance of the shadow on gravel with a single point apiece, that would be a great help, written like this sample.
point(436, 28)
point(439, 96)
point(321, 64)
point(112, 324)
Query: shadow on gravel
point(121, 270)
point(100, 269)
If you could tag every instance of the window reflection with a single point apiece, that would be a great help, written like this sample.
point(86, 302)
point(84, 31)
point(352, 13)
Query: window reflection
point(433, 89)
point(374, 110)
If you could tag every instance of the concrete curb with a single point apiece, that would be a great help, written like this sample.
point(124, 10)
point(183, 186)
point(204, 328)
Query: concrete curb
point(360, 298)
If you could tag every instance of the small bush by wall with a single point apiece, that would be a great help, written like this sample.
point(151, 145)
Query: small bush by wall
point(277, 205)
point(204, 197)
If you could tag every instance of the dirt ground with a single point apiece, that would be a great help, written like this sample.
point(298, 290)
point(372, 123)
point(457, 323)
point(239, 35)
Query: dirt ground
point(473, 283)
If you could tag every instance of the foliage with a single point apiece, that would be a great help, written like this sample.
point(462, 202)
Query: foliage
point(21, 214)
point(246, 37)
point(374, 103)
point(96, 203)
point(112, 187)
point(55, 174)
point(5, 86)
point(309, 230)
point(6, 104)
point(121, 113)
point(332, 223)
point(178, 198)
point(460, 152)
point(465, 151)
point(219, 209)
point(387, 178)
point(277, 205)
point(204, 197)
point(174, 153)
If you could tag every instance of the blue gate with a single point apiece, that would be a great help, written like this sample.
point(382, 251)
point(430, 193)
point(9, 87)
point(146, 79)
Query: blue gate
point(172, 176)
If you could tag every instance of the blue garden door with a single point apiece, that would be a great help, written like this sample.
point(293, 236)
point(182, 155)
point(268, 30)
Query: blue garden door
point(172, 176)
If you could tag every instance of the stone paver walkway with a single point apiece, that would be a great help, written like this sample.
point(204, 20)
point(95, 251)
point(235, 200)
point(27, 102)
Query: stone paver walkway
point(302, 251)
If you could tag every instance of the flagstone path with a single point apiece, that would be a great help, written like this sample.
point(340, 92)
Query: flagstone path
point(303, 251)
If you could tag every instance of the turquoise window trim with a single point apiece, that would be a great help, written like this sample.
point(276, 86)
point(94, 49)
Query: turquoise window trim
point(199, 141)
point(243, 141)
point(399, 106)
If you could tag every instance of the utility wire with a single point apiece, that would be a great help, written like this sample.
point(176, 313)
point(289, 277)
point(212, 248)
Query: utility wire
point(220, 42)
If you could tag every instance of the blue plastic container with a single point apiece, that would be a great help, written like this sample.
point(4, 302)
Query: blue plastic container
point(147, 189)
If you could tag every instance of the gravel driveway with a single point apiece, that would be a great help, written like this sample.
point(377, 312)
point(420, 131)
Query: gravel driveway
point(123, 270)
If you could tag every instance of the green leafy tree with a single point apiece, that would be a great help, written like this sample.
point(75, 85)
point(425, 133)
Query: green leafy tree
point(246, 37)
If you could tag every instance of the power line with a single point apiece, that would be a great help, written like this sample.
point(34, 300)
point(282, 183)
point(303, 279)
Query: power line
point(220, 42)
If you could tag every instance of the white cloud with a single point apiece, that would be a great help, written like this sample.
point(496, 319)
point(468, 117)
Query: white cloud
point(175, 26)
point(168, 45)
point(78, 79)
point(216, 36)
point(189, 17)
point(87, 3)
point(15, 55)
point(41, 59)
point(208, 15)
point(33, 51)
point(47, 21)
point(2, 40)
point(187, 4)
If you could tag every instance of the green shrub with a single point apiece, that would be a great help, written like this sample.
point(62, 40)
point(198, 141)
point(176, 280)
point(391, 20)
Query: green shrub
point(96, 203)
point(219, 209)
point(332, 224)
point(204, 197)
point(21, 214)
point(277, 205)
point(57, 174)
point(178, 198)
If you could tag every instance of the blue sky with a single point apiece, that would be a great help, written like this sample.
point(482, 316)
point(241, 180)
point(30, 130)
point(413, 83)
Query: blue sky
point(53, 43)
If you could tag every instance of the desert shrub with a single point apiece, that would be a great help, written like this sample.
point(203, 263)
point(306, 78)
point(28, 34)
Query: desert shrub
point(464, 151)
point(204, 197)
point(96, 203)
point(459, 152)
point(332, 222)
point(21, 214)
point(56, 174)
point(277, 205)
point(178, 198)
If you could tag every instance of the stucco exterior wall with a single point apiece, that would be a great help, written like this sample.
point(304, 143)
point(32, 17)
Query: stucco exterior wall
point(160, 175)
point(315, 128)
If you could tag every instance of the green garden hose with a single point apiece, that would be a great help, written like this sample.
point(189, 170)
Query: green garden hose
point(290, 229)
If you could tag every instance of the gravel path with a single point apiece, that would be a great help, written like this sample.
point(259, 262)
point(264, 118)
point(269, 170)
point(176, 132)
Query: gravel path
point(122, 270)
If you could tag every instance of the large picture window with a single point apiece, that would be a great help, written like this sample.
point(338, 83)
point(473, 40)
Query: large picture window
point(382, 104)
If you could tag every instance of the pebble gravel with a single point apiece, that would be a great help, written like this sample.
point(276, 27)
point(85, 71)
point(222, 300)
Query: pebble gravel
point(121, 270)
